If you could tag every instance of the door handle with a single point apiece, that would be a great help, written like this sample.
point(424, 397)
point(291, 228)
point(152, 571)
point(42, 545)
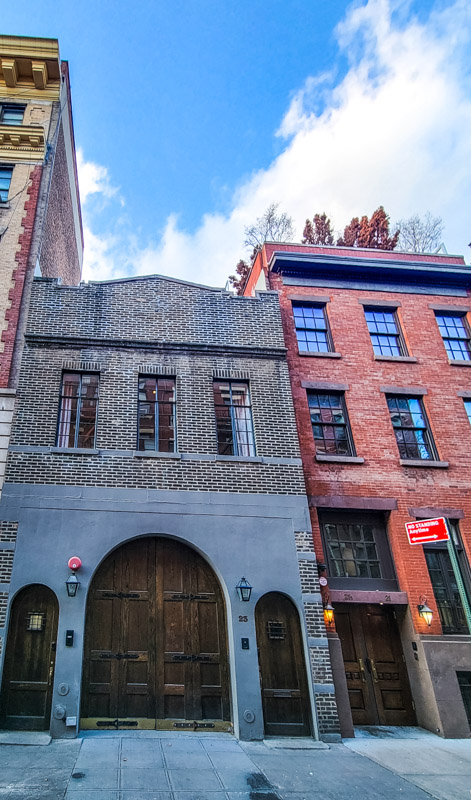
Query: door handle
point(373, 670)
point(362, 670)
point(51, 673)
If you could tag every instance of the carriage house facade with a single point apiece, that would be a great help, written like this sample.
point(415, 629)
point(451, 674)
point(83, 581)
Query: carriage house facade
point(154, 438)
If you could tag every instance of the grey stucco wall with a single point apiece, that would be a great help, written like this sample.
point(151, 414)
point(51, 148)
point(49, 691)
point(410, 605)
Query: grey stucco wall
point(236, 535)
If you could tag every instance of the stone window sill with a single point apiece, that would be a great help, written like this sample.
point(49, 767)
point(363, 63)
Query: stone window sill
point(155, 454)
point(244, 459)
point(340, 459)
point(75, 451)
point(5, 205)
point(419, 462)
point(318, 355)
point(404, 359)
point(459, 362)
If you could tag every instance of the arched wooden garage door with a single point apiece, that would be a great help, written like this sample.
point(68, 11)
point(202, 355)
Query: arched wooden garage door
point(285, 697)
point(29, 660)
point(155, 641)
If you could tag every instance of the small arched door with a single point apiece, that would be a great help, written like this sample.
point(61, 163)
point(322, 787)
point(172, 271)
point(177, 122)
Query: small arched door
point(29, 660)
point(155, 651)
point(285, 696)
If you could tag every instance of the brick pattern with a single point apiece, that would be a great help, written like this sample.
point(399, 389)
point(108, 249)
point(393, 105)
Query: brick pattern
point(8, 531)
point(382, 475)
point(18, 274)
point(319, 656)
point(6, 565)
point(169, 311)
point(59, 255)
point(3, 608)
point(327, 714)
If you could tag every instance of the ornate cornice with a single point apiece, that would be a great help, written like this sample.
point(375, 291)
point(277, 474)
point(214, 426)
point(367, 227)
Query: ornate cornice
point(22, 143)
point(29, 68)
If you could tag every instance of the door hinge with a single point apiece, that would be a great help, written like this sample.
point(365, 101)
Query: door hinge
point(121, 595)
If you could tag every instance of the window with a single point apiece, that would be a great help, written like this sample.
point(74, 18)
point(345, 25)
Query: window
point(78, 408)
point(445, 591)
point(410, 424)
point(234, 418)
point(312, 329)
point(156, 414)
point(11, 113)
point(467, 405)
point(357, 550)
point(385, 333)
point(455, 334)
point(330, 425)
point(5, 180)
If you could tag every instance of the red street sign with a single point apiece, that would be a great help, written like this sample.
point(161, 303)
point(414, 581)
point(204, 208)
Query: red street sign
point(427, 530)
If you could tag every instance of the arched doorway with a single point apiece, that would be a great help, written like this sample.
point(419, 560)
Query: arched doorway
point(155, 641)
point(29, 660)
point(285, 696)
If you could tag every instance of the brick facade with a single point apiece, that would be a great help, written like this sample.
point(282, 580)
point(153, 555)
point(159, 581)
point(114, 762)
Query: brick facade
point(376, 480)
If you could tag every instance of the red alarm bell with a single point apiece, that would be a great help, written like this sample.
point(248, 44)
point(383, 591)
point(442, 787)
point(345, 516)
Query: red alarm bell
point(74, 563)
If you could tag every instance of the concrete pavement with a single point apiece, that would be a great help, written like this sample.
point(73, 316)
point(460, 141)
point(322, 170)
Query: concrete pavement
point(149, 765)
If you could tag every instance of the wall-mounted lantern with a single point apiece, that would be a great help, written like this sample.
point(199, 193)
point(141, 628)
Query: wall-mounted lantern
point(244, 590)
point(328, 614)
point(72, 583)
point(424, 611)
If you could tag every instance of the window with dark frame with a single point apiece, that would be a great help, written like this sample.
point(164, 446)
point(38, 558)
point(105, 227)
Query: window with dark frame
point(467, 406)
point(312, 328)
point(11, 113)
point(330, 424)
point(456, 335)
point(385, 332)
point(411, 428)
point(156, 414)
point(352, 550)
point(5, 181)
point(234, 423)
point(78, 410)
point(445, 590)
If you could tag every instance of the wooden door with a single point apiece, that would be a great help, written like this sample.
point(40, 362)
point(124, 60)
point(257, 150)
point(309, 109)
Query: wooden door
point(29, 661)
point(155, 644)
point(285, 696)
point(377, 679)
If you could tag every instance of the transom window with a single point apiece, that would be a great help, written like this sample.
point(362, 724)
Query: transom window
point(312, 329)
point(445, 590)
point(234, 418)
point(330, 425)
point(467, 405)
point(410, 424)
point(385, 333)
point(456, 336)
point(352, 551)
point(11, 113)
point(78, 410)
point(156, 414)
point(5, 180)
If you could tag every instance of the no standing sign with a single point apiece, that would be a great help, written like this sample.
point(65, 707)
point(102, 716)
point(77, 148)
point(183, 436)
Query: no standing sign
point(427, 530)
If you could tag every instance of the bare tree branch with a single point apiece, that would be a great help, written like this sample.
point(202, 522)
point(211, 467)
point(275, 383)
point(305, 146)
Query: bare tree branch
point(420, 235)
point(271, 227)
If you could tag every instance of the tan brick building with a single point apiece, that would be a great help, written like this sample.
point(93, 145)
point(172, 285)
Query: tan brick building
point(40, 220)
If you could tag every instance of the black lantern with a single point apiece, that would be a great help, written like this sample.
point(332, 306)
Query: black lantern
point(72, 583)
point(244, 590)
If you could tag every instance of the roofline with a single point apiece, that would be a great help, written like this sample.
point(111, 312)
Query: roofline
point(380, 263)
point(136, 278)
point(367, 250)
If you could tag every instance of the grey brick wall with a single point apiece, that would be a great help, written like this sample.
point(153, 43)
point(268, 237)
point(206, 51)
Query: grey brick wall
point(160, 314)
point(6, 565)
point(8, 531)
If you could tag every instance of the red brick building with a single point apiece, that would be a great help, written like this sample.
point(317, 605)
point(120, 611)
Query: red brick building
point(379, 351)
point(40, 220)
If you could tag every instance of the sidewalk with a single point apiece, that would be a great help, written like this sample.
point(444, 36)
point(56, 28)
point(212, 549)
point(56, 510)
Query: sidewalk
point(178, 766)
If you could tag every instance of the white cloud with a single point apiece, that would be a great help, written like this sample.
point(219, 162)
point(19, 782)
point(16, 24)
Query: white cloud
point(394, 130)
point(93, 178)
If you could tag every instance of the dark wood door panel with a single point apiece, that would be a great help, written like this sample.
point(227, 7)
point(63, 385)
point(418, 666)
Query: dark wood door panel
point(29, 660)
point(285, 697)
point(167, 613)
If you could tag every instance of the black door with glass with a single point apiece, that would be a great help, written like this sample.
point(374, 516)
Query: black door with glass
point(445, 590)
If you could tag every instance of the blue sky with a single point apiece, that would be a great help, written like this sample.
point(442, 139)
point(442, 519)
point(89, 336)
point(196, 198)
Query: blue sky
point(191, 117)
